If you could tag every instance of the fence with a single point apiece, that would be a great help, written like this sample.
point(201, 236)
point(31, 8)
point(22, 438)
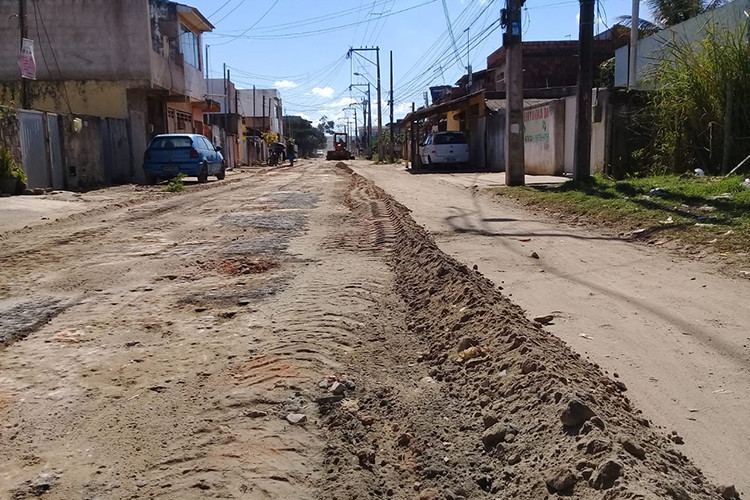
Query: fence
point(70, 152)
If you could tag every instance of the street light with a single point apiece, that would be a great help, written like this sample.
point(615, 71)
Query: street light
point(368, 113)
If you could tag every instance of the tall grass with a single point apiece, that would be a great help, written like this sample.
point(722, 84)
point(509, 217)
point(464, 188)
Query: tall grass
point(694, 82)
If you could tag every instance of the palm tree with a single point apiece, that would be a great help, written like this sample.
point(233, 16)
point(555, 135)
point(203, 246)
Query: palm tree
point(666, 13)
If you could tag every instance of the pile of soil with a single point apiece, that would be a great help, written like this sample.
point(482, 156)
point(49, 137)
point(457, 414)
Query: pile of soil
point(467, 398)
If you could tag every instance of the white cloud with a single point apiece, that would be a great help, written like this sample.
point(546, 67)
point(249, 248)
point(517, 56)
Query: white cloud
point(304, 116)
point(284, 84)
point(344, 101)
point(323, 92)
point(402, 108)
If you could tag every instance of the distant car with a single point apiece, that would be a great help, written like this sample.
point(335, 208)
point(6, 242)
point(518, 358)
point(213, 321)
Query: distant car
point(444, 148)
point(169, 155)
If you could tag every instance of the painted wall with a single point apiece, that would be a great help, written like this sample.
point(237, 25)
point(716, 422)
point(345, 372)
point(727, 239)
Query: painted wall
point(544, 138)
point(600, 116)
point(651, 49)
point(91, 39)
point(89, 97)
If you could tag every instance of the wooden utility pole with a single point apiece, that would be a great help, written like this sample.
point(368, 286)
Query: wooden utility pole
point(25, 87)
point(392, 148)
point(582, 152)
point(514, 137)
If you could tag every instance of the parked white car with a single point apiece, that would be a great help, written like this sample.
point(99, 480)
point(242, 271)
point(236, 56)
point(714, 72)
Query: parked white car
point(444, 148)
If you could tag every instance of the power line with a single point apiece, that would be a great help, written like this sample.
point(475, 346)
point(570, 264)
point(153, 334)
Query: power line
point(450, 28)
point(217, 10)
point(251, 27)
point(302, 34)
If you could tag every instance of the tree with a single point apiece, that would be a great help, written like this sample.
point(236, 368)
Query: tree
point(326, 126)
point(666, 13)
point(307, 137)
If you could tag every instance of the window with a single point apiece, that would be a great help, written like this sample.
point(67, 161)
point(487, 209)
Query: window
point(450, 138)
point(190, 47)
point(183, 120)
point(171, 142)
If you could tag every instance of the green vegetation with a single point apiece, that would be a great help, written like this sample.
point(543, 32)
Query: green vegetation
point(699, 114)
point(175, 185)
point(698, 210)
point(9, 167)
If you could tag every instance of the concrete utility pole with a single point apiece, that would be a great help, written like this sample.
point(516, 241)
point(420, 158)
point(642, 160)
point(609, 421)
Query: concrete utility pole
point(393, 146)
point(514, 137)
point(25, 89)
point(582, 152)
point(380, 104)
point(632, 57)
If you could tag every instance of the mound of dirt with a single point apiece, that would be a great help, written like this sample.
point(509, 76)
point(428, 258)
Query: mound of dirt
point(470, 399)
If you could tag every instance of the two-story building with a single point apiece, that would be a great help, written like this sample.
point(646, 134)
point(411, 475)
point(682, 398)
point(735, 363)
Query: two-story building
point(261, 111)
point(116, 72)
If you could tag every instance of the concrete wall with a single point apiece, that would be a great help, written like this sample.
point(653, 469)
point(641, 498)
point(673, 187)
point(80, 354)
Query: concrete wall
point(601, 117)
point(89, 97)
point(92, 39)
point(544, 138)
point(651, 49)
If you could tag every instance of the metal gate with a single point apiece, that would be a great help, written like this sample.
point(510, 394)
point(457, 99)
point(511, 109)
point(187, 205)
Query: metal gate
point(41, 149)
point(33, 149)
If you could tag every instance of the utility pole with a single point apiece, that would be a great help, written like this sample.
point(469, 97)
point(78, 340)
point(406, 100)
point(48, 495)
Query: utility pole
point(264, 113)
point(380, 111)
point(468, 64)
point(356, 129)
point(412, 141)
point(25, 90)
point(632, 57)
point(582, 152)
point(393, 146)
point(514, 137)
point(380, 105)
point(369, 123)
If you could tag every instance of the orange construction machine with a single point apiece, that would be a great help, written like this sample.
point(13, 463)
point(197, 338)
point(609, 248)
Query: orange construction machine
point(340, 151)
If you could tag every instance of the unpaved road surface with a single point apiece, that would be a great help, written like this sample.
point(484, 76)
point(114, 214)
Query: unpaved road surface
point(675, 332)
point(292, 333)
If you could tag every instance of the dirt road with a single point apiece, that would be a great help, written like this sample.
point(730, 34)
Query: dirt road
point(291, 333)
point(673, 330)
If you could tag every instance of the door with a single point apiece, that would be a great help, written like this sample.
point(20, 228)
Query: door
point(33, 149)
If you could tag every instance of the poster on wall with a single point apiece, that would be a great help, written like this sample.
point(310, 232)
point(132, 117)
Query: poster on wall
point(26, 59)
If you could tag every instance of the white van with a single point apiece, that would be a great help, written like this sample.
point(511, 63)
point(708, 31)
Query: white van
point(444, 148)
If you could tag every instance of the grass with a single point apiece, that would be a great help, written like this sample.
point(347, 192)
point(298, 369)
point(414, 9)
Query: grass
point(696, 210)
point(175, 185)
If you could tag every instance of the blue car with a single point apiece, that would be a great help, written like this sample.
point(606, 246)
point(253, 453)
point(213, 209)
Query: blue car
point(169, 155)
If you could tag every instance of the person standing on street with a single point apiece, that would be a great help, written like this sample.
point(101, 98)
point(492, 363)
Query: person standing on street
point(290, 152)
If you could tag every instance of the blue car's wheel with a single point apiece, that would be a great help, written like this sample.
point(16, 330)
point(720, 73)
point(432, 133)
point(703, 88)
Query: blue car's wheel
point(203, 175)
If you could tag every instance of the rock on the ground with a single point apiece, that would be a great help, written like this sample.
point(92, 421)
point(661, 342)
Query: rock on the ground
point(337, 388)
point(494, 435)
point(729, 492)
point(296, 418)
point(634, 448)
point(560, 480)
point(576, 414)
point(606, 474)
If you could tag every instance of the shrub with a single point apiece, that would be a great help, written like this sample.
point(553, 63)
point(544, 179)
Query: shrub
point(175, 185)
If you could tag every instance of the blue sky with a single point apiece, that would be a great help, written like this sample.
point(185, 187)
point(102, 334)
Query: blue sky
point(300, 46)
